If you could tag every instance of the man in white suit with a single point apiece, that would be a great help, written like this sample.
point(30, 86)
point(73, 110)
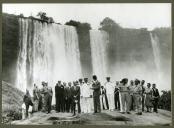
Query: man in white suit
point(109, 86)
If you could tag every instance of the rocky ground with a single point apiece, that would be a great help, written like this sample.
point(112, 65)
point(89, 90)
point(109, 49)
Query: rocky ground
point(162, 118)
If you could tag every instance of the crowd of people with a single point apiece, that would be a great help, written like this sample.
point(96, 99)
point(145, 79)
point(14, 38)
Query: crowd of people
point(84, 97)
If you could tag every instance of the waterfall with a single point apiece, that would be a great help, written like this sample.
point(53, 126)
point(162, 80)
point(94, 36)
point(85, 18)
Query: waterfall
point(48, 52)
point(156, 52)
point(99, 41)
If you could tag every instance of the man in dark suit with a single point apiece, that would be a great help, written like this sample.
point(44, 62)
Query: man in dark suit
point(76, 97)
point(155, 96)
point(68, 97)
point(116, 96)
point(96, 94)
point(59, 93)
point(57, 97)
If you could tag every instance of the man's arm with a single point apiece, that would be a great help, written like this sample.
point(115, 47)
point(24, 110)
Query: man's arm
point(55, 90)
point(97, 86)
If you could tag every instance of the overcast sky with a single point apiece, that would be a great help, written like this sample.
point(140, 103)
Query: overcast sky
point(127, 15)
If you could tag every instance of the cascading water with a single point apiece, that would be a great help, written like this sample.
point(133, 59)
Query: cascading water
point(156, 52)
point(99, 41)
point(48, 52)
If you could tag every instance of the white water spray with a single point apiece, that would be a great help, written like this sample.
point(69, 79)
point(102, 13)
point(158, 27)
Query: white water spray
point(48, 52)
point(99, 41)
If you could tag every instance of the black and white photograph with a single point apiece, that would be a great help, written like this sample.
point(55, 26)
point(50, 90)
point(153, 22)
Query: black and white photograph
point(87, 64)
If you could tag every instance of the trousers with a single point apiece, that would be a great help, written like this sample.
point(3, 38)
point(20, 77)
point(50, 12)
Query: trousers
point(111, 101)
point(117, 101)
point(103, 102)
point(124, 101)
point(97, 107)
point(138, 102)
point(87, 105)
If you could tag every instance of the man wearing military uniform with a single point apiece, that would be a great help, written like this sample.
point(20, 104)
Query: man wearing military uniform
point(109, 86)
point(137, 93)
point(143, 95)
point(47, 91)
point(86, 94)
point(44, 92)
point(49, 98)
point(131, 90)
point(124, 93)
point(96, 94)
point(35, 98)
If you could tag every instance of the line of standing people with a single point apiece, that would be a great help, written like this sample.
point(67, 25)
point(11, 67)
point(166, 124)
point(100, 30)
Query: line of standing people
point(81, 96)
point(85, 97)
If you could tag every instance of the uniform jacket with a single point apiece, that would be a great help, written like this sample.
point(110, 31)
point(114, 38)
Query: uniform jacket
point(138, 89)
point(36, 93)
point(109, 86)
point(85, 91)
point(123, 88)
point(50, 92)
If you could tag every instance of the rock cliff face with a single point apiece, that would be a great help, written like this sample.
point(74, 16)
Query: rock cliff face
point(10, 47)
point(129, 52)
point(12, 98)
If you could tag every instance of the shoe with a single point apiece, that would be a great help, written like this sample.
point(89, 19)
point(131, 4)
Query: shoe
point(139, 113)
point(128, 113)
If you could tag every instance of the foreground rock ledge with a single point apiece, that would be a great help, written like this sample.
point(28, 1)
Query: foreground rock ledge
point(162, 118)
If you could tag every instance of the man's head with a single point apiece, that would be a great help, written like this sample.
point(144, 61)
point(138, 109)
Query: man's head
point(94, 77)
point(102, 87)
point(80, 81)
point(108, 79)
point(124, 81)
point(64, 83)
point(27, 91)
point(69, 84)
point(148, 85)
point(59, 82)
point(43, 83)
point(153, 85)
point(74, 83)
point(142, 82)
point(86, 80)
point(132, 82)
point(137, 82)
point(117, 82)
